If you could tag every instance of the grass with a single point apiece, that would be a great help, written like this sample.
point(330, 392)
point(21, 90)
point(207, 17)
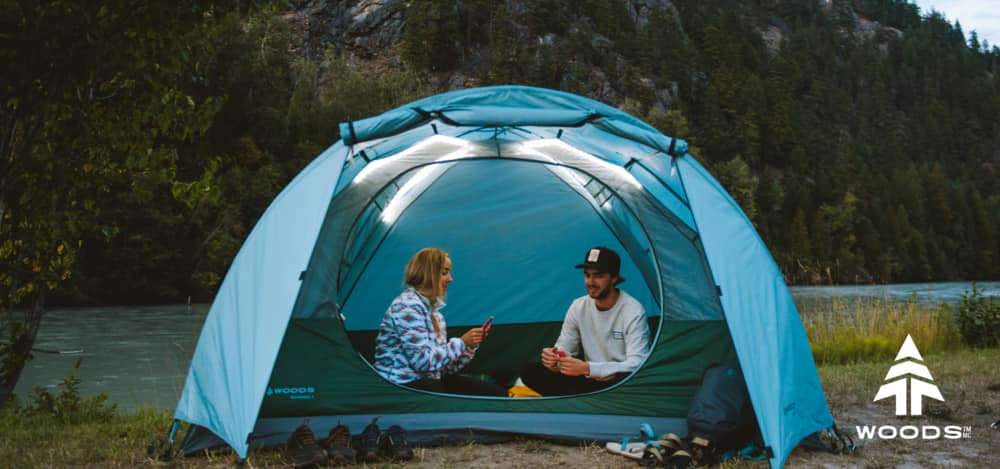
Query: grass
point(34, 440)
point(966, 377)
point(865, 329)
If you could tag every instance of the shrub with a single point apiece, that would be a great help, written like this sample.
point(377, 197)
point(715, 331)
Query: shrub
point(978, 318)
point(68, 407)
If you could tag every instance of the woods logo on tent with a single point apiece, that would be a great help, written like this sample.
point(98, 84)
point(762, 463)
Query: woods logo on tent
point(293, 392)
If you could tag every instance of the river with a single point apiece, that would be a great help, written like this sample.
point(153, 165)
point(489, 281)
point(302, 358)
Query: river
point(139, 356)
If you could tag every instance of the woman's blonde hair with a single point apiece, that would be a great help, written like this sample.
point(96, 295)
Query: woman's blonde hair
point(423, 273)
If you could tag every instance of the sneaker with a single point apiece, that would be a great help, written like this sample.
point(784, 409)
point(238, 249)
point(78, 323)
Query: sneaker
point(394, 445)
point(303, 449)
point(367, 442)
point(338, 445)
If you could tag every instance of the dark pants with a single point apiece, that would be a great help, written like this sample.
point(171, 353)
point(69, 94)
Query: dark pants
point(552, 383)
point(458, 384)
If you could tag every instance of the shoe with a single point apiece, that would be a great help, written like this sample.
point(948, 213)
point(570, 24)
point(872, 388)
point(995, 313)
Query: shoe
point(338, 445)
point(679, 460)
point(303, 449)
point(394, 445)
point(702, 452)
point(367, 442)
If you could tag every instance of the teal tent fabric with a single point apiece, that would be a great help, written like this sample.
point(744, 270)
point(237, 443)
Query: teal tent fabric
point(245, 325)
point(770, 341)
point(511, 106)
point(516, 183)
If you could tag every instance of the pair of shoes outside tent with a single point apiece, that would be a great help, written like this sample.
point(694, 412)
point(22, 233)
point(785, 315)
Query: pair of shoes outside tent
point(653, 451)
point(668, 451)
point(374, 444)
point(334, 449)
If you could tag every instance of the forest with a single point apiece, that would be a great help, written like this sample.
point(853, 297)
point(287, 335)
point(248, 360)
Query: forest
point(140, 140)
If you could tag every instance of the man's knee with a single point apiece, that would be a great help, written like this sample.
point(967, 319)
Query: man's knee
point(534, 371)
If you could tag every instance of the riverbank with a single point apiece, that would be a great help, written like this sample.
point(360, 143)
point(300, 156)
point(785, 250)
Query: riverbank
point(969, 381)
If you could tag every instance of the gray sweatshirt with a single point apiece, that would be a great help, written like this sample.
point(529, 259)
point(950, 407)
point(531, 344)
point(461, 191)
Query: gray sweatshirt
point(613, 341)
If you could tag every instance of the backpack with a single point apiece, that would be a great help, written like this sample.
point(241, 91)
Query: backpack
point(721, 421)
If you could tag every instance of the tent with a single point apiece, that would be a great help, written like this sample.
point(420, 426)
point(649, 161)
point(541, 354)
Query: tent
point(515, 183)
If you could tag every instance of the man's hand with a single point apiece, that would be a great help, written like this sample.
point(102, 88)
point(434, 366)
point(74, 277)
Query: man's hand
point(549, 357)
point(570, 366)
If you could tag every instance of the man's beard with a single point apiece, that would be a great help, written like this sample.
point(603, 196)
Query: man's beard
point(601, 294)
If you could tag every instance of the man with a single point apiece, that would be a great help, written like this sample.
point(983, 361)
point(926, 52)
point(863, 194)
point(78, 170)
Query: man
point(607, 325)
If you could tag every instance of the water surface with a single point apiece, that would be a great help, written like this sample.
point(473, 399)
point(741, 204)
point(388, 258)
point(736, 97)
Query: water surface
point(922, 293)
point(138, 356)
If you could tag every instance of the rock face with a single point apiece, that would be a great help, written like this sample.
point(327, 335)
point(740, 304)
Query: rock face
point(371, 31)
point(362, 28)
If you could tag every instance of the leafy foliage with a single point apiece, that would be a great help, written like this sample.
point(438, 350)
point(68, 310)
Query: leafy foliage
point(68, 407)
point(978, 318)
point(101, 99)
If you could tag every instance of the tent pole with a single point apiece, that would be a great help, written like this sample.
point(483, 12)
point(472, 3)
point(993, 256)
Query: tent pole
point(170, 439)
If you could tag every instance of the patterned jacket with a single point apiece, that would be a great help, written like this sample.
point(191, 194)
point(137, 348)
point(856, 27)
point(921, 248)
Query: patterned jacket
point(407, 349)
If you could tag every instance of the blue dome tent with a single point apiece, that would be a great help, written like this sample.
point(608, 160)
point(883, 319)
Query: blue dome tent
point(515, 183)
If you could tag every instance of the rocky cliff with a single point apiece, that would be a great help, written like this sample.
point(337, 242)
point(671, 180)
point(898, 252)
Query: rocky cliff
point(370, 33)
point(366, 29)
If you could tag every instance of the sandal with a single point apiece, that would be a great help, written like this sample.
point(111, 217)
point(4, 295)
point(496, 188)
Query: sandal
point(631, 450)
point(679, 460)
point(635, 449)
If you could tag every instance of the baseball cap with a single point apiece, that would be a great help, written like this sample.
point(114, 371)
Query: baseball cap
point(602, 259)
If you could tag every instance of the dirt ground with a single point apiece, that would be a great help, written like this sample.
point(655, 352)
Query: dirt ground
point(981, 450)
point(969, 382)
point(978, 450)
point(973, 412)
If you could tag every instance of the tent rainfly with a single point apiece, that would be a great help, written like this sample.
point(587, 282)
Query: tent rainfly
point(515, 183)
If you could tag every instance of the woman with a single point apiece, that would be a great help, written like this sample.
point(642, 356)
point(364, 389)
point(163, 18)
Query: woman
point(412, 347)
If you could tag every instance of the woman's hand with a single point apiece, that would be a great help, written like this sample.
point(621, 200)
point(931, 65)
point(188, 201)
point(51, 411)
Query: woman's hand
point(473, 337)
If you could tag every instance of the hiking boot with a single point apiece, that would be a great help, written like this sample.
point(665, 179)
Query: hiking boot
point(338, 445)
point(367, 442)
point(394, 445)
point(303, 449)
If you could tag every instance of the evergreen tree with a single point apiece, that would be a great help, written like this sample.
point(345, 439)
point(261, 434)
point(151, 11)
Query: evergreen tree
point(429, 38)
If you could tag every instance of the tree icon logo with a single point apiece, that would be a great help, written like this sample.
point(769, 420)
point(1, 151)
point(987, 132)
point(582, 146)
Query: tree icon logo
point(908, 370)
